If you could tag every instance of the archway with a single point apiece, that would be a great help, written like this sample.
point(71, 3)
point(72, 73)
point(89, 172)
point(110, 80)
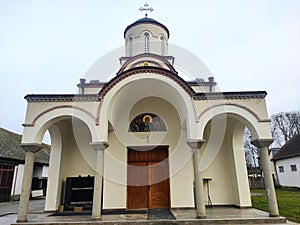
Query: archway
point(71, 132)
point(147, 93)
point(223, 157)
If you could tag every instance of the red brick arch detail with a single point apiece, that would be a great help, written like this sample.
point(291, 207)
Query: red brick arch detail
point(58, 107)
point(237, 105)
point(150, 55)
point(159, 71)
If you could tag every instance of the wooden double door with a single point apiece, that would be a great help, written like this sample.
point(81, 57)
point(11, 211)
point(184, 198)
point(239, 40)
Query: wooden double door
point(148, 184)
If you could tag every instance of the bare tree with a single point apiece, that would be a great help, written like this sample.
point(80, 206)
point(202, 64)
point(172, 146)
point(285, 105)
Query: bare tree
point(284, 126)
point(251, 153)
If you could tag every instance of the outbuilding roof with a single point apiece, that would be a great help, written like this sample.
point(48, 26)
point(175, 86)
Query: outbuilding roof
point(290, 149)
point(11, 150)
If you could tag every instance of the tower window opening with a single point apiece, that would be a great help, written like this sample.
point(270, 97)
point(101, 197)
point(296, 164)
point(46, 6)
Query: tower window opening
point(162, 45)
point(147, 44)
point(130, 46)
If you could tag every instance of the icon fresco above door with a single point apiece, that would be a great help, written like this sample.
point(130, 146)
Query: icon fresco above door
point(147, 122)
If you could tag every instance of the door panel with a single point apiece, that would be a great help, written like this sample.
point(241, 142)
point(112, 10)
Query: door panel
point(159, 193)
point(148, 183)
point(137, 189)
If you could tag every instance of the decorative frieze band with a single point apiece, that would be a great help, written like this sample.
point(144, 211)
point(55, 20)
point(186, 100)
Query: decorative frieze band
point(230, 95)
point(62, 98)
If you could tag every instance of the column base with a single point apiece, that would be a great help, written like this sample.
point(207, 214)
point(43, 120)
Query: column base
point(201, 217)
point(21, 221)
point(274, 215)
point(96, 219)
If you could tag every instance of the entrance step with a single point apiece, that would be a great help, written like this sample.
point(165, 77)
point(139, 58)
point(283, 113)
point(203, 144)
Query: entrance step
point(261, 221)
point(215, 215)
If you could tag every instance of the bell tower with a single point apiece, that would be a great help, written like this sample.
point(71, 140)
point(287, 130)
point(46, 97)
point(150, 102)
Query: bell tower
point(146, 35)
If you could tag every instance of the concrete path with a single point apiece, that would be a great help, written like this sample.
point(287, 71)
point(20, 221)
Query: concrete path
point(9, 210)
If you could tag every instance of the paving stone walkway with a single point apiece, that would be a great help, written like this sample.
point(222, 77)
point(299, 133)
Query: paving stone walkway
point(8, 214)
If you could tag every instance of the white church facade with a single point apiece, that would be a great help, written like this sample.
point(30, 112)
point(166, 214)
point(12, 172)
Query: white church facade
point(147, 138)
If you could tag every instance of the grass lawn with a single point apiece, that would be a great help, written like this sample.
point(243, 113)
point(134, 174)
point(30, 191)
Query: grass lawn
point(288, 202)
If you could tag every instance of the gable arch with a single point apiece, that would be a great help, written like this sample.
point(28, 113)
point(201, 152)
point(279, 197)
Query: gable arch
point(161, 61)
point(147, 84)
point(35, 132)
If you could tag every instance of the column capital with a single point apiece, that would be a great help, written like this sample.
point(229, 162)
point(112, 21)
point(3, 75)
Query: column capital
point(31, 147)
point(195, 143)
point(260, 143)
point(99, 146)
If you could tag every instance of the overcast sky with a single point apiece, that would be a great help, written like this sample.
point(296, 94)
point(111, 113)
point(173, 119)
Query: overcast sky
point(248, 45)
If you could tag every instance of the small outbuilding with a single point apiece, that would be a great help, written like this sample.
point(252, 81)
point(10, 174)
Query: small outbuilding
point(287, 163)
point(12, 160)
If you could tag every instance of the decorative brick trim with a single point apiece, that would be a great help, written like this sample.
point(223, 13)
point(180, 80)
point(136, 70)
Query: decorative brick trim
point(27, 125)
point(58, 107)
point(62, 98)
point(237, 105)
point(230, 95)
point(161, 58)
point(149, 69)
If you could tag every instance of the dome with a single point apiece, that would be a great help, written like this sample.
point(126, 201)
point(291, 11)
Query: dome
point(147, 20)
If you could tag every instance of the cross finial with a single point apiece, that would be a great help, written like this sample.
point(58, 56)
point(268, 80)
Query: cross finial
point(146, 8)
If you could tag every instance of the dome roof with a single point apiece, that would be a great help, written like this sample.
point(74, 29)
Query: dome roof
point(148, 21)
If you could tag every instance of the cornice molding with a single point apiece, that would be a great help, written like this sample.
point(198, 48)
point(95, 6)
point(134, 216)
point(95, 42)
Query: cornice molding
point(230, 95)
point(62, 98)
point(195, 83)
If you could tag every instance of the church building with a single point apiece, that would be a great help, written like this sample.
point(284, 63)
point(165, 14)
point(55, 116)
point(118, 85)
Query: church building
point(147, 138)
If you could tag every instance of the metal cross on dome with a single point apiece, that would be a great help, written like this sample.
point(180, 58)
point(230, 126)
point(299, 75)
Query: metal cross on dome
point(146, 8)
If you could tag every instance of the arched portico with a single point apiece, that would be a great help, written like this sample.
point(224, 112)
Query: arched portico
point(222, 127)
point(144, 92)
point(259, 127)
point(34, 132)
point(71, 131)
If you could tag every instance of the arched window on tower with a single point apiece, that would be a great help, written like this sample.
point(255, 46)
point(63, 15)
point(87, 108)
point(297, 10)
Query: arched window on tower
point(130, 46)
point(147, 44)
point(162, 45)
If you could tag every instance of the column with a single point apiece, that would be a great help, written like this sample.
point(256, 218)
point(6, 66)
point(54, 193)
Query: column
point(30, 150)
point(200, 203)
point(99, 147)
point(262, 145)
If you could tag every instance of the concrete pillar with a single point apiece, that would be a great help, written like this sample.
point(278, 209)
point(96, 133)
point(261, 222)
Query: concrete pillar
point(198, 178)
point(30, 150)
point(97, 200)
point(262, 145)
